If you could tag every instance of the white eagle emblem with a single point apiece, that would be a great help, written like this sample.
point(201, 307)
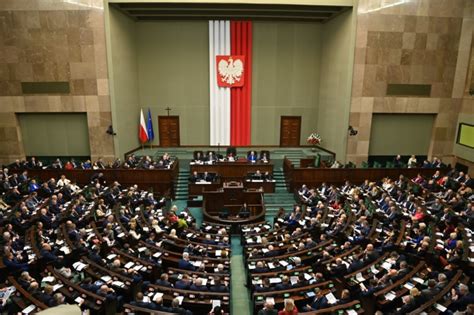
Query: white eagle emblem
point(230, 70)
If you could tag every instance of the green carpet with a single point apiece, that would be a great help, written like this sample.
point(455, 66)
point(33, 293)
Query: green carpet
point(239, 294)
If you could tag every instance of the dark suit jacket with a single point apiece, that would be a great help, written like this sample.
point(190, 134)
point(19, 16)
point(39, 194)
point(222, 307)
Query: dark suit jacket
point(149, 305)
point(201, 288)
point(182, 285)
point(183, 264)
point(319, 303)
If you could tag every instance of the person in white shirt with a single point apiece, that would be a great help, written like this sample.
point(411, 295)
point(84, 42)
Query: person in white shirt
point(63, 181)
point(412, 162)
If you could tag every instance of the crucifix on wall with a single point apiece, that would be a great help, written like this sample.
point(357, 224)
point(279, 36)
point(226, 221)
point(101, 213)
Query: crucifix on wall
point(168, 110)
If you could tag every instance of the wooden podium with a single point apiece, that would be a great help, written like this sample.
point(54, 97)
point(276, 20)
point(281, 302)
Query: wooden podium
point(230, 198)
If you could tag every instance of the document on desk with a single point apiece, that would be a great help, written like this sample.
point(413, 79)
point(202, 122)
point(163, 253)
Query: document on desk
point(29, 309)
point(270, 300)
point(48, 279)
point(374, 270)
point(283, 263)
point(106, 279)
point(129, 265)
point(419, 280)
point(360, 277)
point(275, 280)
point(294, 280)
point(390, 296)
point(440, 307)
point(79, 266)
point(409, 285)
point(386, 265)
point(331, 298)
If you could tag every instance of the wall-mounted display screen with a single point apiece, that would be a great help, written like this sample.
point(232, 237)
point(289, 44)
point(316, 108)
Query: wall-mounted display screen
point(466, 135)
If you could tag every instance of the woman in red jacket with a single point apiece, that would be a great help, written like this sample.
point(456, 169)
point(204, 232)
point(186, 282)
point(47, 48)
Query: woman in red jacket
point(289, 309)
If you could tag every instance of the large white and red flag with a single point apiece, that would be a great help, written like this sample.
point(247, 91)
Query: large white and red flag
point(230, 66)
point(142, 130)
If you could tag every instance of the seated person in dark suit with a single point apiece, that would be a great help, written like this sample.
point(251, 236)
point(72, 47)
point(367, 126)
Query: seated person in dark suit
point(45, 296)
point(88, 285)
point(110, 295)
point(47, 253)
point(211, 157)
point(268, 309)
point(428, 293)
point(265, 157)
point(13, 264)
point(409, 305)
point(284, 284)
point(163, 281)
point(260, 267)
point(345, 297)
point(195, 177)
point(461, 298)
point(198, 157)
point(175, 308)
point(208, 177)
point(185, 264)
point(184, 283)
point(140, 303)
point(198, 286)
point(339, 269)
point(257, 175)
point(244, 211)
point(319, 301)
point(267, 176)
point(218, 286)
point(252, 157)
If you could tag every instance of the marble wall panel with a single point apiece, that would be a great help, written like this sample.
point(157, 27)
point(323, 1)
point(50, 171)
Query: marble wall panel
point(53, 40)
point(412, 42)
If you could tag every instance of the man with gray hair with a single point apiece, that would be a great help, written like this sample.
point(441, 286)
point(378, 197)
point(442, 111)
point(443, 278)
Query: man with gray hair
point(461, 298)
point(176, 308)
point(408, 305)
point(268, 309)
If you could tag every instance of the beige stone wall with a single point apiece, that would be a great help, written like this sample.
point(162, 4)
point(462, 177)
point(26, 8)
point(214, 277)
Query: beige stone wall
point(44, 40)
point(410, 42)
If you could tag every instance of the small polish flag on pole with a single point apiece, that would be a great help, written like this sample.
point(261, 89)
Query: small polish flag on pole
point(142, 133)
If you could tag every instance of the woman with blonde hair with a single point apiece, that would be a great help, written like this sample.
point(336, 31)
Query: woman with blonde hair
point(289, 308)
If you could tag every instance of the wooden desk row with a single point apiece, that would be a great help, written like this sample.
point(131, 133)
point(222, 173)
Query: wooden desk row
point(296, 177)
point(160, 180)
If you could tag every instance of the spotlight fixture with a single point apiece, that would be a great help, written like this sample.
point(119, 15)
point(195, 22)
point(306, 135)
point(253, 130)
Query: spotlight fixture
point(352, 131)
point(110, 131)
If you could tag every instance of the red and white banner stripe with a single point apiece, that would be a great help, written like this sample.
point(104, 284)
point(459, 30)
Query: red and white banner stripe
point(230, 108)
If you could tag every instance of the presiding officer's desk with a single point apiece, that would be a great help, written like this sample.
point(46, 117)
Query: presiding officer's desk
point(199, 187)
point(265, 185)
point(231, 197)
point(232, 170)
